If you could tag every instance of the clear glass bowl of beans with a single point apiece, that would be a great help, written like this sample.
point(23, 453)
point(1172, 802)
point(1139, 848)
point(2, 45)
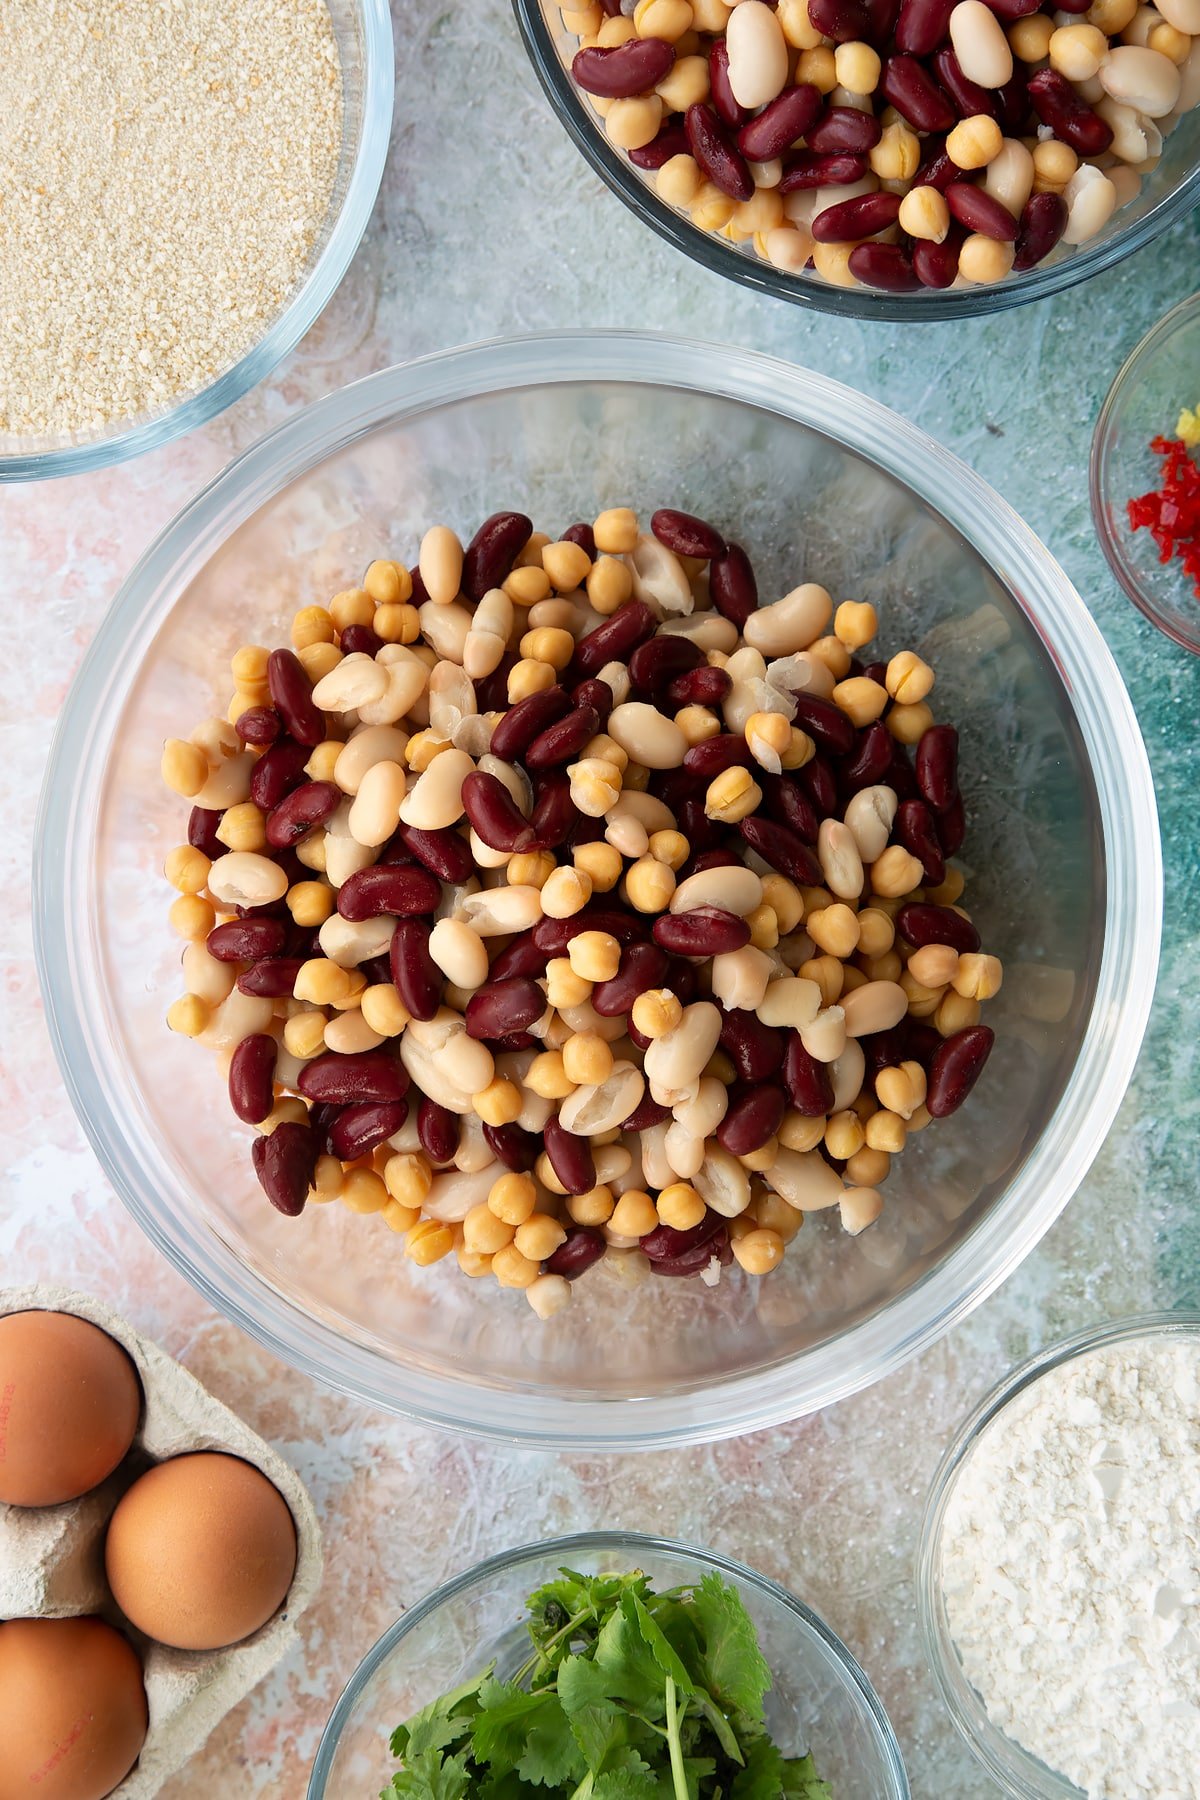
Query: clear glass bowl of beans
point(821, 1699)
point(191, 383)
point(923, 159)
point(1064, 896)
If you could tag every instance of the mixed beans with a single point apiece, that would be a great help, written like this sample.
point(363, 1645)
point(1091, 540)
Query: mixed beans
point(554, 900)
point(900, 144)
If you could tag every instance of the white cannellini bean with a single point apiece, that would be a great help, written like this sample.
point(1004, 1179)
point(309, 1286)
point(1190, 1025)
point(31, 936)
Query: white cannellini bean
point(344, 856)
point(703, 1111)
point(446, 628)
point(1091, 199)
point(612, 1163)
point(435, 800)
point(1142, 78)
point(875, 1006)
point(659, 578)
point(792, 1001)
point(722, 1182)
point(792, 623)
point(707, 630)
point(228, 784)
point(451, 698)
point(656, 1170)
point(491, 627)
point(735, 889)
point(592, 1110)
point(825, 1038)
point(625, 833)
point(846, 1075)
point(347, 1033)
point(473, 1151)
point(653, 814)
point(440, 561)
point(205, 976)
point(243, 878)
point(870, 816)
point(801, 674)
point(684, 1152)
point(615, 676)
point(759, 56)
point(407, 679)
point(805, 1180)
point(368, 745)
point(676, 1059)
point(980, 44)
point(376, 809)
point(1134, 138)
point(459, 953)
point(501, 910)
point(859, 1207)
point(740, 977)
point(840, 859)
point(355, 681)
point(1184, 15)
point(348, 942)
point(647, 735)
point(454, 1192)
point(238, 1016)
point(1009, 176)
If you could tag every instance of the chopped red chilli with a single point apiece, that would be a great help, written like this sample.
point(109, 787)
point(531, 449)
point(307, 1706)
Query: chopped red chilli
point(1171, 512)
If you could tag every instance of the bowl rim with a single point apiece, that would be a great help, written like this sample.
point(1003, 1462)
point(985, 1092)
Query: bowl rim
point(943, 1294)
point(300, 313)
point(567, 1547)
point(1018, 1771)
point(1103, 443)
point(860, 302)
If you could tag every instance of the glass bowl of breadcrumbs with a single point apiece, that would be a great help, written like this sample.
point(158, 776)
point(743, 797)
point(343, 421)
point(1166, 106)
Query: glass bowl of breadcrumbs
point(182, 190)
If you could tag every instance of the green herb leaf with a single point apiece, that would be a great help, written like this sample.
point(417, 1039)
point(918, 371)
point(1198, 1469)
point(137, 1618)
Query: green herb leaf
point(551, 1756)
point(503, 1724)
point(731, 1664)
point(429, 1777)
point(444, 1721)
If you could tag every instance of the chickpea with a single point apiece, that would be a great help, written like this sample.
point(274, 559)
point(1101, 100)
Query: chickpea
point(499, 1103)
point(311, 625)
point(670, 847)
point(893, 874)
point(184, 767)
point(984, 260)
point(528, 584)
point(353, 606)
point(186, 868)
point(655, 1012)
point(546, 1075)
point(801, 1133)
point(595, 955)
point(977, 977)
point(649, 885)
point(587, 1059)
point(566, 892)
point(610, 582)
point(731, 796)
point(759, 1251)
point(484, 1232)
point(616, 531)
point(974, 142)
point(908, 724)
point(512, 1198)
point(680, 1206)
point(634, 1215)
point(596, 1207)
point(512, 1270)
point(539, 1237)
point(843, 1135)
point(192, 917)
point(601, 863)
point(868, 1167)
point(388, 583)
point(189, 1015)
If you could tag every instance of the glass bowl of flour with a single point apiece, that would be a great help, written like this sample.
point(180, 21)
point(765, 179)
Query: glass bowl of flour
point(1059, 1570)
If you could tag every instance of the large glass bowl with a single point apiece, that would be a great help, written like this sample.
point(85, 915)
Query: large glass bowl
point(363, 29)
point(821, 1703)
point(1168, 194)
point(1018, 1772)
point(821, 484)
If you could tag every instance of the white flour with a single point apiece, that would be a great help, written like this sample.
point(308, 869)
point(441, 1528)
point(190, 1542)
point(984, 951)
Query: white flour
point(1071, 1570)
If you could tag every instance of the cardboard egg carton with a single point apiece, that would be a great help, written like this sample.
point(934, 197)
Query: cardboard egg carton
point(52, 1558)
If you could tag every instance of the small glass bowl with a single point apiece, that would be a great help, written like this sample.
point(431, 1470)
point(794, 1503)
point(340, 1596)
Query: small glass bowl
point(1018, 1772)
point(822, 1702)
point(1160, 376)
point(363, 29)
point(1169, 193)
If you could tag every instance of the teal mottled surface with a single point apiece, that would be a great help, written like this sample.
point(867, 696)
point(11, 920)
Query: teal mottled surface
point(488, 224)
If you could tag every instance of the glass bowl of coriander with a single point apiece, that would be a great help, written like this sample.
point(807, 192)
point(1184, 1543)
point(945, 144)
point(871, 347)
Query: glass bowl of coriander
point(550, 1667)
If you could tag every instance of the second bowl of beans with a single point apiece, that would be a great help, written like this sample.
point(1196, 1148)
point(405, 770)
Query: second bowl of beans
point(886, 158)
point(336, 512)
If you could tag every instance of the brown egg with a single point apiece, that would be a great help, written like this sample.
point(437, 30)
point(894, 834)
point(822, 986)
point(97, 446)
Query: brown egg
point(69, 1406)
point(201, 1551)
point(72, 1709)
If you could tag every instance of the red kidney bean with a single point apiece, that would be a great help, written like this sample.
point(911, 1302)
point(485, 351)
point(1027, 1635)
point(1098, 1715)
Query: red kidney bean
point(875, 671)
point(684, 1253)
point(642, 966)
point(753, 1117)
point(416, 976)
point(407, 892)
point(883, 266)
point(1041, 225)
point(808, 1082)
point(825, 723)
point(937, 169)
point(614, 641)
point(978, 210)
point(711, 859)
point(495, 815)
point(967, 95)
point(258, 725)
point(704, 931)
point(443, 853)
point(781, 123)
point(252, 1077)
point(755, 1050)
point(702, 686)
point(358, 1130)
point(915, 829)
point(884, 1049)
point(908, 86)
point(728, 109)
point(920, 923)
point(515, 1148)
point(924, 24)
point(808, 170)
point(952, 827)
point(783, 849)
point(272, 979)
point(936, 265)
point(685, 534)
point(732, 585)
point(576, 1254)
point(699, 830)
point(554, 816)
point(361, 639)
point(246, 940)
point(522, 722)
point(626, 70)
point(956, 1068)
point(1057, 104)
point(921, 1041)
point(570, 1157)
point(581, 534)
point(646, 1113)
point(724, 166)
point(858, 218)
point(284, 1163)
point(1012, 102)
point(870, 760)
point(291, 690)
point(202, 830)
point(845, 21)
point(820, 783)
point(521, 957)
point(397, 855)
point(514, 1040)
point(553, 935)
point(348, 1080)
point(376, 970)
point(1012, 10)
point(491, 553)
point(437, 1130)
point(302, 811)
point(660, 659)
point(844, 131)
point(559, 743)
point(937, 766)
point(504, 1006)
point(712, 756)
point(276, 773)
point(594, 693)
point(671, 141)
point(786, 801)
point(883, 15)
point(1073, 6)
point(491, 691)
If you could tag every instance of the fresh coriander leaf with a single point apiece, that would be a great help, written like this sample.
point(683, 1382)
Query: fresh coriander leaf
point(801, 1781)
point(599, 1726)
point(626, 1777)
point(502, 1725)
point(665, 1656)
point(732, 1665)
point(429, 1777)
point(721, 1727)
point(551, 1756)
point(442, 1722)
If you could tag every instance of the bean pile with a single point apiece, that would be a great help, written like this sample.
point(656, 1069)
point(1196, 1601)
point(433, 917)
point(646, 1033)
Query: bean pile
point(901, 144)
point(555, 900)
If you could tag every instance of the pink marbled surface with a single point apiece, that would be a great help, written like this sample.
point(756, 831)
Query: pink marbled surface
point(830, 1505)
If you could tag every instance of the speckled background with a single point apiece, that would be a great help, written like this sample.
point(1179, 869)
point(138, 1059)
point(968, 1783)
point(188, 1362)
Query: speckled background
point(468, 243)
